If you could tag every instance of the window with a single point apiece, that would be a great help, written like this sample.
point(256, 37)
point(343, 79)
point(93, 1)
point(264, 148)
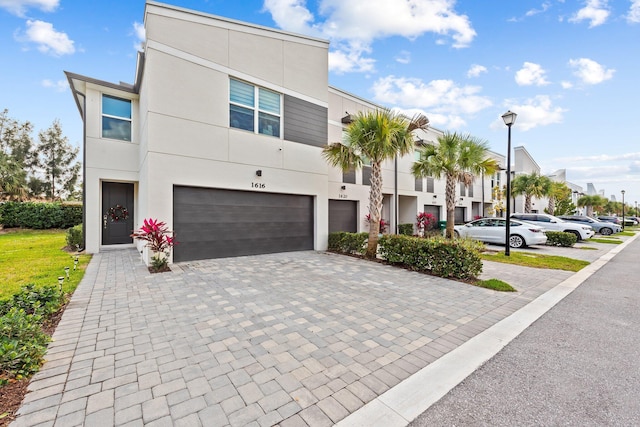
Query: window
point(254, 109)
point(116, 118)
point(430, 183)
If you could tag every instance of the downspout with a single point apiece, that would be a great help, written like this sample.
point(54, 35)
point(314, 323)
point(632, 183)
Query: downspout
point(483, 183)
point(84, 171)
point(395, 192)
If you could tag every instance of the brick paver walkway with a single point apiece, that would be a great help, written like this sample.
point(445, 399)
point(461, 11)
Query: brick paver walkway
point(294, 339)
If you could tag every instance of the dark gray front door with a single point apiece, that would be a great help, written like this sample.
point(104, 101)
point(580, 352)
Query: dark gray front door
point(343, 216)
point(216, 223)
point(117, 213)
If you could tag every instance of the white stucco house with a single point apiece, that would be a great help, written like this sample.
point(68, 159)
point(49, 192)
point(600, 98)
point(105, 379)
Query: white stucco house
point(220, 136)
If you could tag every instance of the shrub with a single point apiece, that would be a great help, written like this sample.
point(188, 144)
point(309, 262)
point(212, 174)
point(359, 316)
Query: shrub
point(159, 239)
point(455, 258)
point(561, 238)
point(22, 343)
point(74, 236)
point(406, 229)
point(37, 300)
point(348, 243)
point(40, 216)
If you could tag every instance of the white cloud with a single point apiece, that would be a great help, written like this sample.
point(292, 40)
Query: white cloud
point(566, 85)
point(19, 7)
point(58, 86)
point(535, 112)
point(594, 11)
point(543, 8)
point(404, 57)
point(48, 39)
point(589, 71)
point(476, 70)
point(531, 74)
point(140, 35)
point(353, 25)
point(634, 12)
point(444, 101)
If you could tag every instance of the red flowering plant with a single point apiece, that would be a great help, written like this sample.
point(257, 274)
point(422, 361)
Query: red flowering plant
point(159, 239)
point(425, 222)
point(383, 223)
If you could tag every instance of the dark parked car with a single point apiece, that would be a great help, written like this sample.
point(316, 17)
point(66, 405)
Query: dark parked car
point(613, 219)
point(602, 227)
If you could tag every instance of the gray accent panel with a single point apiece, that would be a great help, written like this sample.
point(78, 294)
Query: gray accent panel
point(429, 185)
point(305, 122)
point(366, 175)
point(418, 184)
point(433, 210)
point(343, 216)
point(349, 177)
point(216, 223)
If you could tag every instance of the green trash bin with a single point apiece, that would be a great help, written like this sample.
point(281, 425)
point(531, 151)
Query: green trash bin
point(442, 225)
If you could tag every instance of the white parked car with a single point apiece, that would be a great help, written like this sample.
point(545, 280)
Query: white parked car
point(493, 230)
point(553, 223)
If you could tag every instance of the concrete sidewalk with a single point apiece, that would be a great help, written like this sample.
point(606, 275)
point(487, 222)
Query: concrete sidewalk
point(294, 339)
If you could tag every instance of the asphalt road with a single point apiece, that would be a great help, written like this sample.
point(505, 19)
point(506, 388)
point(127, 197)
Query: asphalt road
point(578, 365)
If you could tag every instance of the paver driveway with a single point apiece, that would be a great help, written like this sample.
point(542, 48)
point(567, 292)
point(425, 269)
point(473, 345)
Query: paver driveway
point(302, 338)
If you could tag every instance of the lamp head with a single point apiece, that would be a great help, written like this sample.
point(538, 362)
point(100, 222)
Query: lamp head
point(509, 118)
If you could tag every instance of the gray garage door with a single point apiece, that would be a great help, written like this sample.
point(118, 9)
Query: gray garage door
point(343, 216)
point(215, 223)
point(433, 210)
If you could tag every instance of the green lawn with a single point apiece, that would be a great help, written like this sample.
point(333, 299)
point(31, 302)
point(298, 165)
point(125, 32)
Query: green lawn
point(529, 259)
point(38, 257)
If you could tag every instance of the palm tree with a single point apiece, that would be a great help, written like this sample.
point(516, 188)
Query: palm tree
point(557, 191)
point(592, 202)
point(530, 185)
point(374, 136)
point(458, 158)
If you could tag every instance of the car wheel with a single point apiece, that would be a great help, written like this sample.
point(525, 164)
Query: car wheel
point(606, 231)
point(456, 234)
point(516, 241)
point(575, 233)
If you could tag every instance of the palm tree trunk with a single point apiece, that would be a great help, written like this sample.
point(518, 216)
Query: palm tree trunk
point(527, 203)
point(375, 208)
point(450, 195)
point(552, 205)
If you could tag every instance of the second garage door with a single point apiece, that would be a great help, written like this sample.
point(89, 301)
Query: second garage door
point(216, 223)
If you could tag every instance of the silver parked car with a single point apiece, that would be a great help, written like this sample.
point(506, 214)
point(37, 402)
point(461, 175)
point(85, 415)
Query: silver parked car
point(602, 227)
point(493, 230)
point(552, 223)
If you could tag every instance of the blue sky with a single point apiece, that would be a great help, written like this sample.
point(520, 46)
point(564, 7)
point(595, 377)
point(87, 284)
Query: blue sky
point(569, 69)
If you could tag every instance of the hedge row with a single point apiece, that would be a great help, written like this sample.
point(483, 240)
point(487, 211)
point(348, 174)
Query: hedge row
point(22, 340)
point(348, 243)
point(451, 258)
point(40, 215)
point(561, 238)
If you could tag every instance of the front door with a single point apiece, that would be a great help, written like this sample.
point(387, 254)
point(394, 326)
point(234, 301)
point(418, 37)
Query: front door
point(117, 213)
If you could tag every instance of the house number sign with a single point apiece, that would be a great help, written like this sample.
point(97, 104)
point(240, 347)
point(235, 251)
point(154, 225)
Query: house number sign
point(343, 196)
point(258, 185)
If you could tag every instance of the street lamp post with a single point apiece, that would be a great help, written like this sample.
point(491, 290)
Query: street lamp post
point(622, 209)
point(509, 119)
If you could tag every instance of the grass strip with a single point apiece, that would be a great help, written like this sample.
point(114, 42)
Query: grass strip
point(38, 257)
point(496, 285)
point(529, 259)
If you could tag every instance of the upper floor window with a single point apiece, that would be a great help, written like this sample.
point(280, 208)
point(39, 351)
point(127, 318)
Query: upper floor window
point(254, 108)
point(116, 118)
